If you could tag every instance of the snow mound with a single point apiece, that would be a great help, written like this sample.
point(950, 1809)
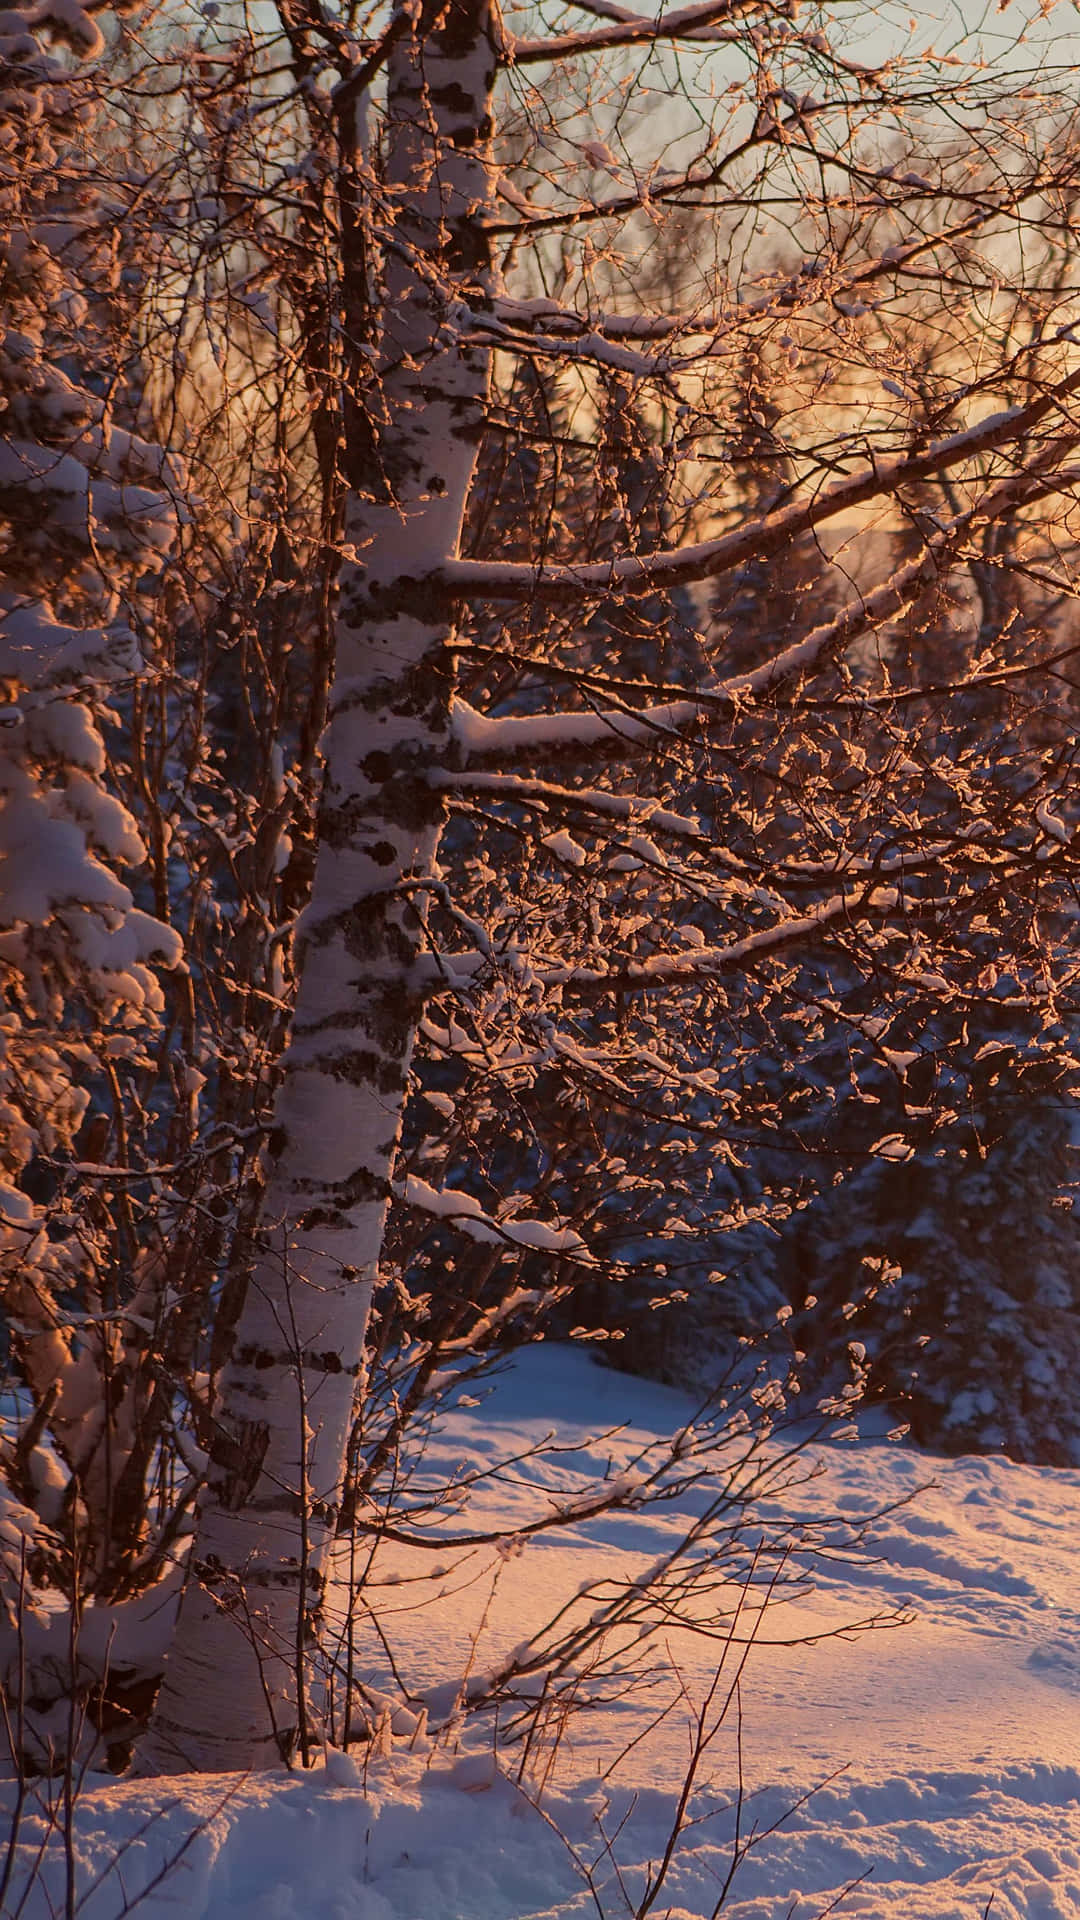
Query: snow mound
point(908, 1775)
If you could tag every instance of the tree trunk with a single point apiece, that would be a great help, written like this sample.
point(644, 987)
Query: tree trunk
point(266, 1521)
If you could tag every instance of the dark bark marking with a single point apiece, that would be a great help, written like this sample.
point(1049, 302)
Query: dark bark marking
point(378, 767)
point(454, 97)
point(238, 1458)
point(330, 1361)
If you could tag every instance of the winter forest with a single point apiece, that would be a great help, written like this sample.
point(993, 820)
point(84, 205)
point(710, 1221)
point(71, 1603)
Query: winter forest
point(540, 1020)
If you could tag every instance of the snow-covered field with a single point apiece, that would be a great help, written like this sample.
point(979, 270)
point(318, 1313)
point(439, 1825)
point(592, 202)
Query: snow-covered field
point(949, 1748)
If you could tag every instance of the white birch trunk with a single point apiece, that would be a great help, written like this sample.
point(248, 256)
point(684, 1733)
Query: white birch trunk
point(229, 1696)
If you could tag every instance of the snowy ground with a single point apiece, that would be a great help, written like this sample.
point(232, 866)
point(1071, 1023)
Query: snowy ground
point(953, 1743)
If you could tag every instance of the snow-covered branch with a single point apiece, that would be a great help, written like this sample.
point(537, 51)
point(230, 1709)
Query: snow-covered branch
point(511, 1232)
point(704, 560)
point(697, 23)
point(483, 740)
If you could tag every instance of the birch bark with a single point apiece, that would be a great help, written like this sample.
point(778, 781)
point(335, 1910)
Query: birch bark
point(229, 1698)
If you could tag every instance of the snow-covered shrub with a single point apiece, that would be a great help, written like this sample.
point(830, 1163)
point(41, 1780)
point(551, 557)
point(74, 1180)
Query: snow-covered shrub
point(89, 515)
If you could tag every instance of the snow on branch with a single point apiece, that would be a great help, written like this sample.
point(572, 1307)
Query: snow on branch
point(554, 318)
point(696, 22)
point(480, 738)
point(592, 345)
point(594, 800)
point(691, 963)
point(703, 560)
point(701, 24)
point(465, 1212)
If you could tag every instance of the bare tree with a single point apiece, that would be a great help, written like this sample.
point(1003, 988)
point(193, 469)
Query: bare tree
point(423, 206)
